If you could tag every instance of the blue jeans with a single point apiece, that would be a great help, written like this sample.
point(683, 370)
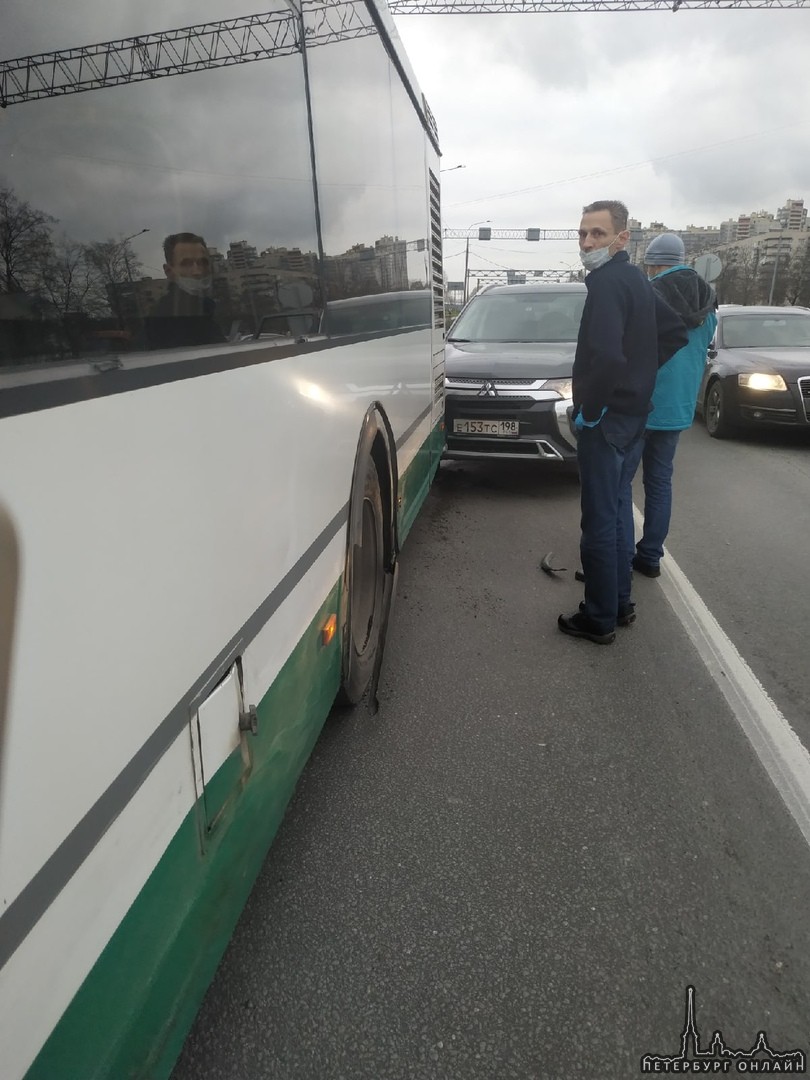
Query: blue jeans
point(607, 462)
point(657, 457)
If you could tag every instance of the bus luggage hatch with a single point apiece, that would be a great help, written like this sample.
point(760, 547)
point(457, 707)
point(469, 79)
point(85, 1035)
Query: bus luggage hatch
point(220, 729)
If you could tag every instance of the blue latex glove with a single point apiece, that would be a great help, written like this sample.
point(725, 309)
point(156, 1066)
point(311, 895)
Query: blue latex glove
point(580, 422)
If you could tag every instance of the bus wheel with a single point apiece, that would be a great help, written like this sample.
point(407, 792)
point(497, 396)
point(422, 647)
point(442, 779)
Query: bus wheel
point(367, 607)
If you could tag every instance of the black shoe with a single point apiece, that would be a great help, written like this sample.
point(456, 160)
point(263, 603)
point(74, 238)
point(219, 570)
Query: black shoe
point(646, 568)
point(579, 625)
point(627, 616)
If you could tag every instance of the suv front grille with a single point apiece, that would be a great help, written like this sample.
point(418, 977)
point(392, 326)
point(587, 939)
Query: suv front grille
point(478, 381)
point(492, 391)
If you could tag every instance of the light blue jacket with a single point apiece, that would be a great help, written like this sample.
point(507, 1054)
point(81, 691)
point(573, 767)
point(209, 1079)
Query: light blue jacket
point(678, 381)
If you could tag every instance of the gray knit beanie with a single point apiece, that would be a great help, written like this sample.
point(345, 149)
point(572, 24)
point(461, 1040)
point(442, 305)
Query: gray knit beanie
point(665, 250)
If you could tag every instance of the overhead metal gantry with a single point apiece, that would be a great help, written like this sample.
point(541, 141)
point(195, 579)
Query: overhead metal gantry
point(529, 7)
point(177, 52)
point(520, 277)
point(510, 234)
point(259, 37)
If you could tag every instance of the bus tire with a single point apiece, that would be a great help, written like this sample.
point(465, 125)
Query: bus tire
point(366, 610)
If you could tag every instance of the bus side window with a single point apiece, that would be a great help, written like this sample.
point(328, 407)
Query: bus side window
point(166, 260)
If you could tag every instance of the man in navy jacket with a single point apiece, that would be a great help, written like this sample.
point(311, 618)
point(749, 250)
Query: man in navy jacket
point(627, 332)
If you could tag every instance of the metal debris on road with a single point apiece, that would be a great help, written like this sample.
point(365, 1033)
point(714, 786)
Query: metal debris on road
point(545, 564)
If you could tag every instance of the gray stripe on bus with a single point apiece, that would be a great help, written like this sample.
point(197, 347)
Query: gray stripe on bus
point(25, 911)
point(407, 434)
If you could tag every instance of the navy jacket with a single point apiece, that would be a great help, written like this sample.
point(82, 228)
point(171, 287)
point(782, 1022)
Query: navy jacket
point(627, 332)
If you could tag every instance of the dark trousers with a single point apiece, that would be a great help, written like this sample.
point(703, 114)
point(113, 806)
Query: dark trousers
point(658, 463)
point(607, 462)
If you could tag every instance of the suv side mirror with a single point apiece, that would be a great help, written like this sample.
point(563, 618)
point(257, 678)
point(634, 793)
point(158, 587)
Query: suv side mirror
point(712, 353)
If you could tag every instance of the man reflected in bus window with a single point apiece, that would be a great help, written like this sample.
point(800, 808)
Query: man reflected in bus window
point(185, 315)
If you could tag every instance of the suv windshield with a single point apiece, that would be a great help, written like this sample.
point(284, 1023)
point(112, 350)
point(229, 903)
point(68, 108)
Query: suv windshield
point(766, 331)
point(521, 316)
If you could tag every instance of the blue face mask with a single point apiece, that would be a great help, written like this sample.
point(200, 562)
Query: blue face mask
point(592, 260)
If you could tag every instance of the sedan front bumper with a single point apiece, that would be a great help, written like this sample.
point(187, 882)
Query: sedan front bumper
point(774, 407)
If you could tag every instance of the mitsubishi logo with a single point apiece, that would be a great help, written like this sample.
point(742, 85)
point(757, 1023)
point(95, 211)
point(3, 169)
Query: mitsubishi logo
point(488, 390)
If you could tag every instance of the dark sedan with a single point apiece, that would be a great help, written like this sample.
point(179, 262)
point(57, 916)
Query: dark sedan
point(510, 357)
point(757, 370)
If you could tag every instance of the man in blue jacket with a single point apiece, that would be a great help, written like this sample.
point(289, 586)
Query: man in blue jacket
point(675, 394)
point(625, 333)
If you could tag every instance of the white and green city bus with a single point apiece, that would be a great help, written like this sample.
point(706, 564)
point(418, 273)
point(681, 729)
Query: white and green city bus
point(203, 487)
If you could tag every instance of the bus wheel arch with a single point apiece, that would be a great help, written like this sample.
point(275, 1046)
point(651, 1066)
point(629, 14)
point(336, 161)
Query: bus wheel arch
point(371, 559)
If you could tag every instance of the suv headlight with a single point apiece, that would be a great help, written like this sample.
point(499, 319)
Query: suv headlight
point(564, 387)
point(761, 380)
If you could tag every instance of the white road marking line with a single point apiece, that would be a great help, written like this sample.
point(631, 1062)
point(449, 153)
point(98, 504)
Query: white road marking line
point(775, 743)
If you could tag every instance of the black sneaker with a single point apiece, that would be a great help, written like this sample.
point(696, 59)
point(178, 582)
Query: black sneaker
point(579, 625)
point(648, 569)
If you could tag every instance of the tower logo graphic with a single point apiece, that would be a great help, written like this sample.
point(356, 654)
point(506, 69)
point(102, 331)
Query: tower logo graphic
point(719, 1058)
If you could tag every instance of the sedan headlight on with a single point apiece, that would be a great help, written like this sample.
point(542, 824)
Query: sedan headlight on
point(760, 380)
point(564, 387)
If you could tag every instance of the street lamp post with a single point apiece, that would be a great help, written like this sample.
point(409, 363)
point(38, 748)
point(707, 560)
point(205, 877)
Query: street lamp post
point(636, 236)
point(128, 269)
point(124, 243)
point(776, 265)
point(467, 255)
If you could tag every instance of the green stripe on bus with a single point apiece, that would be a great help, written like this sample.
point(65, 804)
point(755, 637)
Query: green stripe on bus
point(414, 485)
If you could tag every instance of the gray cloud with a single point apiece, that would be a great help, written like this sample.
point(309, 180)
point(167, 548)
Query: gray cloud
point(33, 26)
point(220, 152)
point(539, 101)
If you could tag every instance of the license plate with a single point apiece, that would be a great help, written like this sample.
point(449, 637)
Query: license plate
point(501, 428)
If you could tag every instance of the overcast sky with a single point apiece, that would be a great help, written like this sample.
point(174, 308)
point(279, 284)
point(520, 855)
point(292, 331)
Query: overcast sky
point(689, 117)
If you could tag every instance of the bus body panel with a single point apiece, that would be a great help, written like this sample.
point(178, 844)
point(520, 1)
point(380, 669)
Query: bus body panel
point(110, 573)
point(173, 514)
point(178, 465)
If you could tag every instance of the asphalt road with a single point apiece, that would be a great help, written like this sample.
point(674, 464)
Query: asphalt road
point(518, 866)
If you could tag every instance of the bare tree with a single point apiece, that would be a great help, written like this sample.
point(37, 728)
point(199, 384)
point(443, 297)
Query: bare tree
point(68, 281)
point(24, 241)
point(739, 282)
point(117, 268)
point(798, 279)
